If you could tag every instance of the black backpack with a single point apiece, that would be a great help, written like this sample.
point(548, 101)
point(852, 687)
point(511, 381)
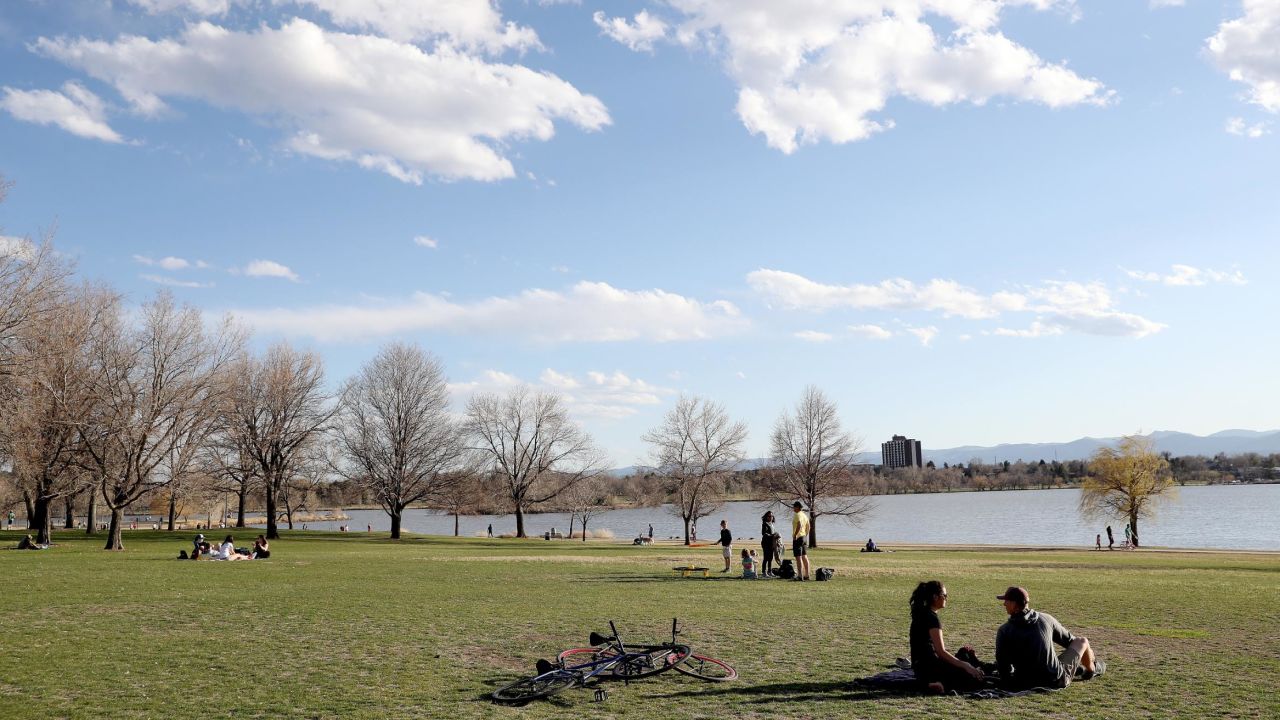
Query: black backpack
point(824, 573)
point(786, 571)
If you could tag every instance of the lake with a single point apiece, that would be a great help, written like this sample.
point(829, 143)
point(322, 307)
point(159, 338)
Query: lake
point(1237, 517)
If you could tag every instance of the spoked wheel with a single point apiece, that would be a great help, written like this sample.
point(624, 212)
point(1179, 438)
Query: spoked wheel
point(545, 685)
point(706, 668)
point(649, 660)
point(578, 656)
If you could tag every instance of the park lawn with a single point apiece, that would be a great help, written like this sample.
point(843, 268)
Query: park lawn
point(337, 625)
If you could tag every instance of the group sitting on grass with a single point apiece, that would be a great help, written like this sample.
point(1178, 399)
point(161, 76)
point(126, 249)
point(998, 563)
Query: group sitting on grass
point(1025, 653)
point(203, 549)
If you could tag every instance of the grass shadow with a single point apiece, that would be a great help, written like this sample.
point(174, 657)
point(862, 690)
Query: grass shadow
point(790, 692)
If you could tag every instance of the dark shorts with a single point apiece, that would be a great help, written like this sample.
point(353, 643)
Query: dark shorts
point(799, 548)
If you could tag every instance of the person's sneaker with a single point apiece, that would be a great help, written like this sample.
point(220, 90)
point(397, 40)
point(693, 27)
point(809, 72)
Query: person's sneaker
point(1099, 667)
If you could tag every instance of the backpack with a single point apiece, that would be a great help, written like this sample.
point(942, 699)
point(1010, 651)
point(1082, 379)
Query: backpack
point(824, 573)
point(786, 571)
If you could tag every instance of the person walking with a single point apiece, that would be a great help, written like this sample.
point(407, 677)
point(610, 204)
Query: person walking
point(1128, 539)
point(1098, 542)
point(726, 543)
point(768, 539)
point(651, 531)
point(490, 529)
point(800, 540)
point(1111, 539)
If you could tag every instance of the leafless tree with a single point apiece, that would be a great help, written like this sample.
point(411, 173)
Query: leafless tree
point(462, 497)
point(155, 385)
point(584, 500)
point(693, 450)
point(278, 408)
point(527, 440)
point(395, 434)
point(230, 466)
point(309, 476)
point(814, 462)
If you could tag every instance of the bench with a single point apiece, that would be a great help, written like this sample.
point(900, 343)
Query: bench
point(685, 570)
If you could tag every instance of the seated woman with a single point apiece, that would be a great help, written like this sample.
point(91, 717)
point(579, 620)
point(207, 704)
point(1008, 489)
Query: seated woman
point(935, 668)
point(26, 543)
point(261, 549)
point(227, 551)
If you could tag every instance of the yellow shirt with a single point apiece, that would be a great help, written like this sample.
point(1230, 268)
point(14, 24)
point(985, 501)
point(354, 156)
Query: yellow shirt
point(800, 525)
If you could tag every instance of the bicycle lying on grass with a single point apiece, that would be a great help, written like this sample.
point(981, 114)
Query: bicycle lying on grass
point(610, 659)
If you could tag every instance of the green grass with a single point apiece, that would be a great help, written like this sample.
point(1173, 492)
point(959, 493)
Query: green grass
point(356, 626)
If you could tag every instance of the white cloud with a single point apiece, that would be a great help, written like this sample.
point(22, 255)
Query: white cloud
point(924, 334)
point(587, 312)
point(75, 109)
point(816, 70)
point(1238, 126)
point(594, 395)
point(740, 375)
point(945, 296)
point(1037, 329)
point(1186, 275)
point(560, 268)
point(814, 336)
point(381, 104)
point(1246, 49)
point(871, 332)
point(168, 263)
point(269, 268)
point(464, 23)
point(638, 34)
point(426, 242)
point(1154, 4)
point(16, 247)
point(203, 8)
point(174, 282)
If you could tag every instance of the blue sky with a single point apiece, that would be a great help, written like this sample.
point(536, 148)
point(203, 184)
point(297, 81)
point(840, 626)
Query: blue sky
point(969, 221)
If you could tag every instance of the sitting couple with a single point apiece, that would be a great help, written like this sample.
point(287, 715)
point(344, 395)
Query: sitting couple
point(1025, 656)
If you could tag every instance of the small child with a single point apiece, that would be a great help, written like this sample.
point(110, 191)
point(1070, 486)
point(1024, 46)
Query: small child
point(1098, 542)
point(749, 564)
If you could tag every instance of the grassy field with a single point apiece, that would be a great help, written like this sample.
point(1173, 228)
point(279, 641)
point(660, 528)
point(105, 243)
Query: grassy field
point(362, 627)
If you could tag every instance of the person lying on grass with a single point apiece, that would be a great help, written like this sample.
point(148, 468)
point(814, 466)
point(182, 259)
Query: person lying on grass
point(935, 668)
point(1024, 647)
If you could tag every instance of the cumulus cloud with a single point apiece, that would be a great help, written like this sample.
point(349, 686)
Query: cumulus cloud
point(1080, 307)
point(426, 242)
point(587, 312)
point(815, 70)
point(595, 394)
point(16, 247)
point(1246, 49)
point(1188, 276)
point(465, 23)
point(74, 109)
point(870, 332)
point(1154, 4)
point(1238, 126)
point(924, 334)
point(175, 282)
point(379, 103)
point(269, 268)
point(203, 8)
point(814, 336)
point(639, 34)
point(1036, 329)
point(168, 263)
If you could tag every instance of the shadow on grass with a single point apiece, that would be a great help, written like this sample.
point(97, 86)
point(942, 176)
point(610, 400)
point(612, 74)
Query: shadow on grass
point(789, 692)
point(624, 578)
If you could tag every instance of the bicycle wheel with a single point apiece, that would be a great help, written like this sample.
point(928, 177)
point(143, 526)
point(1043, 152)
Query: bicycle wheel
point(526, 689)
point(577, 656)
point(707, 668)
point(649, 660)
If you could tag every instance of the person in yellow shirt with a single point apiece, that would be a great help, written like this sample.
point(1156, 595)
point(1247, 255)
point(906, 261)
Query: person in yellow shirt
point(800, 540)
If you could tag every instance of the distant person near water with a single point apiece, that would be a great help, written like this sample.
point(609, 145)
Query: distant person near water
point(726, 543)
point(490, 529)
point(870, 546)
point(1111, 539)
point(800, 540)
point(1025, 652)
point(650, 531)
point(1128, 540)
point(935, 667)
point(768, 543)
point(1099, 542)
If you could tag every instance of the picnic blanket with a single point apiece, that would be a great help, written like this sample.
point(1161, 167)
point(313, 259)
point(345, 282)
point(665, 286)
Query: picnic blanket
point(901, 680)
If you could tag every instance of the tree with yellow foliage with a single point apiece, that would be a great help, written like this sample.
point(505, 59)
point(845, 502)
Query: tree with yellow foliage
point(1126, 481)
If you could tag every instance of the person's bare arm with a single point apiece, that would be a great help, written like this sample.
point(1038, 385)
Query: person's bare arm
point(940, 647)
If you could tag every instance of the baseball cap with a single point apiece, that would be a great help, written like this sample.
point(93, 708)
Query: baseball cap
point(1016, 594)
point(797, 505)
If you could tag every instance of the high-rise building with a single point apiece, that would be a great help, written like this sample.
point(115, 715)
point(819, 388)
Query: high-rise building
point(901, 452)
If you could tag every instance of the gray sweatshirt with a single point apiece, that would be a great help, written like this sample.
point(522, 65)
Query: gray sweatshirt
point(1025, 652)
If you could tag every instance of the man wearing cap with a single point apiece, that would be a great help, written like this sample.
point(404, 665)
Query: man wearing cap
point(1025, 652)
point(800, 540)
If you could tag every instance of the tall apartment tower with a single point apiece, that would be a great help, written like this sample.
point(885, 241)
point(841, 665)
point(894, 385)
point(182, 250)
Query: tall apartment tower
point(901, 452)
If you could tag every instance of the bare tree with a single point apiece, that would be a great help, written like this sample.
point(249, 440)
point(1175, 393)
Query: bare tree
point(461, 498)
point(814, 461)
point(528, 441)
point(278, 409)
point(155, 387)
point(232, 469)
point(303, 486)
point(394, 430)
point(694, 450)
point(584, 500)
point(1126, 481)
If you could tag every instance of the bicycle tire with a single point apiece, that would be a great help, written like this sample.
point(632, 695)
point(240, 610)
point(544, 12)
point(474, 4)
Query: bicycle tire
point(532, 688)
point(595, 653)
point(707, 668)
point(648, 660)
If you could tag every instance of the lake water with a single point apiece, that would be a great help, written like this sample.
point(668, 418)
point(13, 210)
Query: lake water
point(1239, 517)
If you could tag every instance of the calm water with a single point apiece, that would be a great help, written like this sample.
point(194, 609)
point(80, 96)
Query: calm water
point(1241, 517)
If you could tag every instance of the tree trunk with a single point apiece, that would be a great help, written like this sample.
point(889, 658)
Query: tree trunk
point(572, 518)
point(456, 517)
point(173, 511)
point(91, 514)
point(288, 515)
point(686, 531)
point(114, 541)
point(520, 522)
point(813, 529)
point(69, 512)
point(584, 529)
point(41, 519)
point(273, 531)
point(240, 500)
point(395, 524)
point(26, 498)
point(1133, 529)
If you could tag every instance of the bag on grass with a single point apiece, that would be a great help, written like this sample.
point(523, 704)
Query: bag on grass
point(824, 573)
point(786, 571)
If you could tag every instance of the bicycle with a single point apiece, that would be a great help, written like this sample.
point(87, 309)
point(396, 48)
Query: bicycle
point(613, 661)
point(703, 667)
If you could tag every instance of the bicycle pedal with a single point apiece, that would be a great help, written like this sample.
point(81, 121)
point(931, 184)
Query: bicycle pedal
point(601, 695)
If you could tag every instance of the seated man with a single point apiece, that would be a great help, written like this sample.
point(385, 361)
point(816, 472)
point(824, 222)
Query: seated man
point(1024, 647)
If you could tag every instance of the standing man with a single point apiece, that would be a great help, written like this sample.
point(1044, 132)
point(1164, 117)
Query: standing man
point(726, 543)
point(800, 540)
point(650, 531)
point(1111, 539)
point(1025, 652)
point(490, 529)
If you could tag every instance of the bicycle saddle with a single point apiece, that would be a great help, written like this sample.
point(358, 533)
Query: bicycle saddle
point(598, 639)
